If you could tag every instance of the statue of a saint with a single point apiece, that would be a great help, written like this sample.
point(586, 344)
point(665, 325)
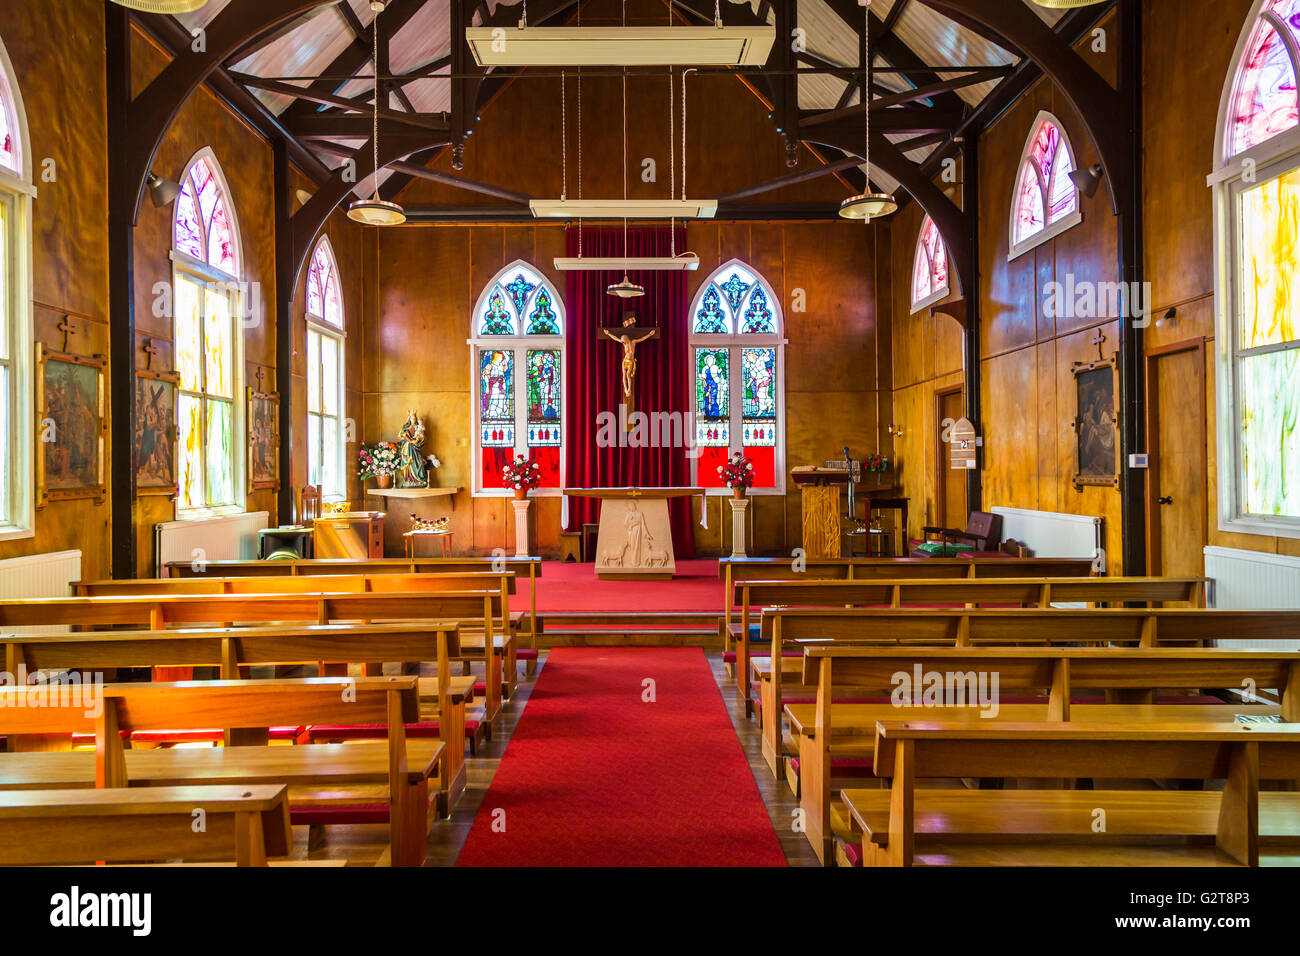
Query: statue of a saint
point(411, 470)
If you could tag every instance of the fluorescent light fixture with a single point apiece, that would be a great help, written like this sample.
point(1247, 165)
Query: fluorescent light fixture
point(686, 262)
point(620, 46)
point(624, 208)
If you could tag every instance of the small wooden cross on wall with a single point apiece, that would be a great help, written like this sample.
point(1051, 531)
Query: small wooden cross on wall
point(150, 350)
point(67, 328)
point(261, 375)
point(1097, 340)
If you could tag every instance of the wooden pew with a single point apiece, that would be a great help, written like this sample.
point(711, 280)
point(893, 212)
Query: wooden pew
point(403, 768)
point(828, 731)
point(1025, 592)
point(1243, 755)
point(479, 608)
point(1144, 627)
point(234, 649)
point(528, 566)
point(140, 824)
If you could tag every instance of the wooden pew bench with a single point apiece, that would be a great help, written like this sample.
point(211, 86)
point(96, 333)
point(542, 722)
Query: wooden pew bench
point(444, 699)
point(529, 567)
point(341, 775)
point(751, 596)
point(906, 825)
point(246, 824)
point(478, 609)
point(835, 740)
point(1143, 627)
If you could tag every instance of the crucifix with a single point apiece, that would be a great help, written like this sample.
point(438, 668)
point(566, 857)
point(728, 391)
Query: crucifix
point(1097, 340)
point(67, 328)
point(150, 350)
point(630, 336)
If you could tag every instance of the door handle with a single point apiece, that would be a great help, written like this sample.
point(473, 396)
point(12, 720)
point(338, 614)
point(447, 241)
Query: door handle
point(1166, 500)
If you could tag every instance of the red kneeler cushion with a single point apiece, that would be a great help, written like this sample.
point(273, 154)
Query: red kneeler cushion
point(204, 735)
point(422, 729)
point(526, 654)
point(348, 813)
point(844, 766)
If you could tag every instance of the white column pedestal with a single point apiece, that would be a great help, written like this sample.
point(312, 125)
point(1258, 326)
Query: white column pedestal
point(521, 525)
point(738, 509)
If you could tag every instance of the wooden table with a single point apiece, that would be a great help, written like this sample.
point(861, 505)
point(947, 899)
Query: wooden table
point(410, 537)
point(635, 541)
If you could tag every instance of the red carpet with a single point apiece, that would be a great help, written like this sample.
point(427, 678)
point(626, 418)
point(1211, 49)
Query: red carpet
point(594, 776)
point(575, 587)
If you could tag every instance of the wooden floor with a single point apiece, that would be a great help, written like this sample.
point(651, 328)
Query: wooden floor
point(362, 845)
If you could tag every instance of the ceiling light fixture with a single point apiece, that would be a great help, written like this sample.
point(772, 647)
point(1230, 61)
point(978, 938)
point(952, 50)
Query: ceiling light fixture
point(867, 205)
point(624, 208)
point(1066, 4)
point(375, 211)
point(162, 6)
point(685, 262)
point(627, 289)
point(1087, 180)
point(162, 192)
point(620, 46)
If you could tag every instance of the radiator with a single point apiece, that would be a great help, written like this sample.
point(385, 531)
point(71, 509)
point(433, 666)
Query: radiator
point(225, 538)
point(1049, 534)
point(1253, 579)
point(37, 576)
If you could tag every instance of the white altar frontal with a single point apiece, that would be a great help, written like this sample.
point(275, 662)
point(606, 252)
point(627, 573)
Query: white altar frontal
point(634, 541)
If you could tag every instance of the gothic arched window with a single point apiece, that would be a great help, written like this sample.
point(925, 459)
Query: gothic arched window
point(1046, 201)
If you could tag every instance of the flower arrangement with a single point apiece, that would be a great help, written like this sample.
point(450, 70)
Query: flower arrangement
point(737, 474)
point(379, 460)
point(875, 463)
point(521, 475)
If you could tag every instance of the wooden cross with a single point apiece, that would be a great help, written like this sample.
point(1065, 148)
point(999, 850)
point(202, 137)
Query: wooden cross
point(629, 335)
point(261, 374)
point(150, 350)
point(67, 328)
point(1097, 340)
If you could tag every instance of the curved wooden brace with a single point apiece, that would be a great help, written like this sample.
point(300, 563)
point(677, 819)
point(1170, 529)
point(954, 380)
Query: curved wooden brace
point(947, 215)
point(154, 109)
point(308, 221)
point(1098, 104)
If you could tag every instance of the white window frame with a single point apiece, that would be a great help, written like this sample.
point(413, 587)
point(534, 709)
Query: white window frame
point(202, 272)
point(18, 517)
point(735, 343)
point(519, 344)
point(941, 293)
point(1052, 229)
point(1265, 161)
point(320, 326)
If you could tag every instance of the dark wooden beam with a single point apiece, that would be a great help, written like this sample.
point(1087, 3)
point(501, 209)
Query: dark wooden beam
point(903, 119)
point(793, 179)
point(356, 125)
point(121, 292)
point(285, 287)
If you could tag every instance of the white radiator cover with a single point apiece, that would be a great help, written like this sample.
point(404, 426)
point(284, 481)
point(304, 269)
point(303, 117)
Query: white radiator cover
point(1253, 579)
point(223, 538)
point(1050, 534)
point(40, 575)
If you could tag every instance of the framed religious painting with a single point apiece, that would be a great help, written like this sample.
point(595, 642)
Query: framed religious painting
point(70, 436)
point(153, 439)
point(1096, 424)
point(263, 440)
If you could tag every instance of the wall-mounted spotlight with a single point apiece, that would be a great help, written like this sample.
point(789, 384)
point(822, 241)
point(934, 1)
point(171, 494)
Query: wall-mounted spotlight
point(895, 430)
point(1168, 316)
point(163, 192)
point(1087, 179)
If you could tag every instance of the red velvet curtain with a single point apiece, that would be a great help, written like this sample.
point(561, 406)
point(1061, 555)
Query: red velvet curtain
point(594, 368)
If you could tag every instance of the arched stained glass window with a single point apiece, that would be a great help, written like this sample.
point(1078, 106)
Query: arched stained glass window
point(1257, 242)
point(325, 375)
point(518, 373)
point(206, 299)
point(929, 268)
point(1046, 201)
point(738, 359)
point(11, 151)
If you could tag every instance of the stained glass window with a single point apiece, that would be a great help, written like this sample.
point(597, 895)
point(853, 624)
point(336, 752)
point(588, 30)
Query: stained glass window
point(930, 267)
point(736, 347)
point(519, 328)
point(325, 422)
point(16, 424)
point(205, 304)
point(10, 151)
point(1046, 200)
point(1258, 330)
point(203, 226)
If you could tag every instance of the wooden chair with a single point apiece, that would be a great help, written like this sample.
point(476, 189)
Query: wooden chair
point(983, 533)
point(309, 497)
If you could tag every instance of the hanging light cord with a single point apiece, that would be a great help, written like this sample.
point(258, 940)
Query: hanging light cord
point(866, 93)
point(564, 141)
point(624, 14)
point(374, 30)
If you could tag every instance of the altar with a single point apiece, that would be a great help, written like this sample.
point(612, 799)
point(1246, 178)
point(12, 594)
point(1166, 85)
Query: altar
point(634, 540)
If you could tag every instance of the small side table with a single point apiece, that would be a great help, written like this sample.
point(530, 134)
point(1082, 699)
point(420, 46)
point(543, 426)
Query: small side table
point(410, 537)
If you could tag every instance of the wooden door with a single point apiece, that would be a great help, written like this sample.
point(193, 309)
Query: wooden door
point(950, 483)
point(1176, 476)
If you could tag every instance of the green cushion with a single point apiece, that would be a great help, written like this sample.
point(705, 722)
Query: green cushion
point(937, 549)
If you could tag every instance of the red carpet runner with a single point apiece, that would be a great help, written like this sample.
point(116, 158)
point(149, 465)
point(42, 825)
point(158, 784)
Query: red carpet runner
point(594, 776)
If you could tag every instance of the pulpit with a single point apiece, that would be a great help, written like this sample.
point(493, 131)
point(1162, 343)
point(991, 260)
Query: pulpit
point(634, 541)
point(823, 513)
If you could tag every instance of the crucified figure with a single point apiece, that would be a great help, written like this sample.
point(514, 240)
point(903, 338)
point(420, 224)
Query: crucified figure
point(629, 353)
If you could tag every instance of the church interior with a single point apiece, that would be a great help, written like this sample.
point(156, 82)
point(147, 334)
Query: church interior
point(810, 433)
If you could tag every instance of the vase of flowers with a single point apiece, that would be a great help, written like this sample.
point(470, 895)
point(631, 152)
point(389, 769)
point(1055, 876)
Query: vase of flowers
point(737, 474)
point(876, 466)
point(521, 475)
point(378, 461)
